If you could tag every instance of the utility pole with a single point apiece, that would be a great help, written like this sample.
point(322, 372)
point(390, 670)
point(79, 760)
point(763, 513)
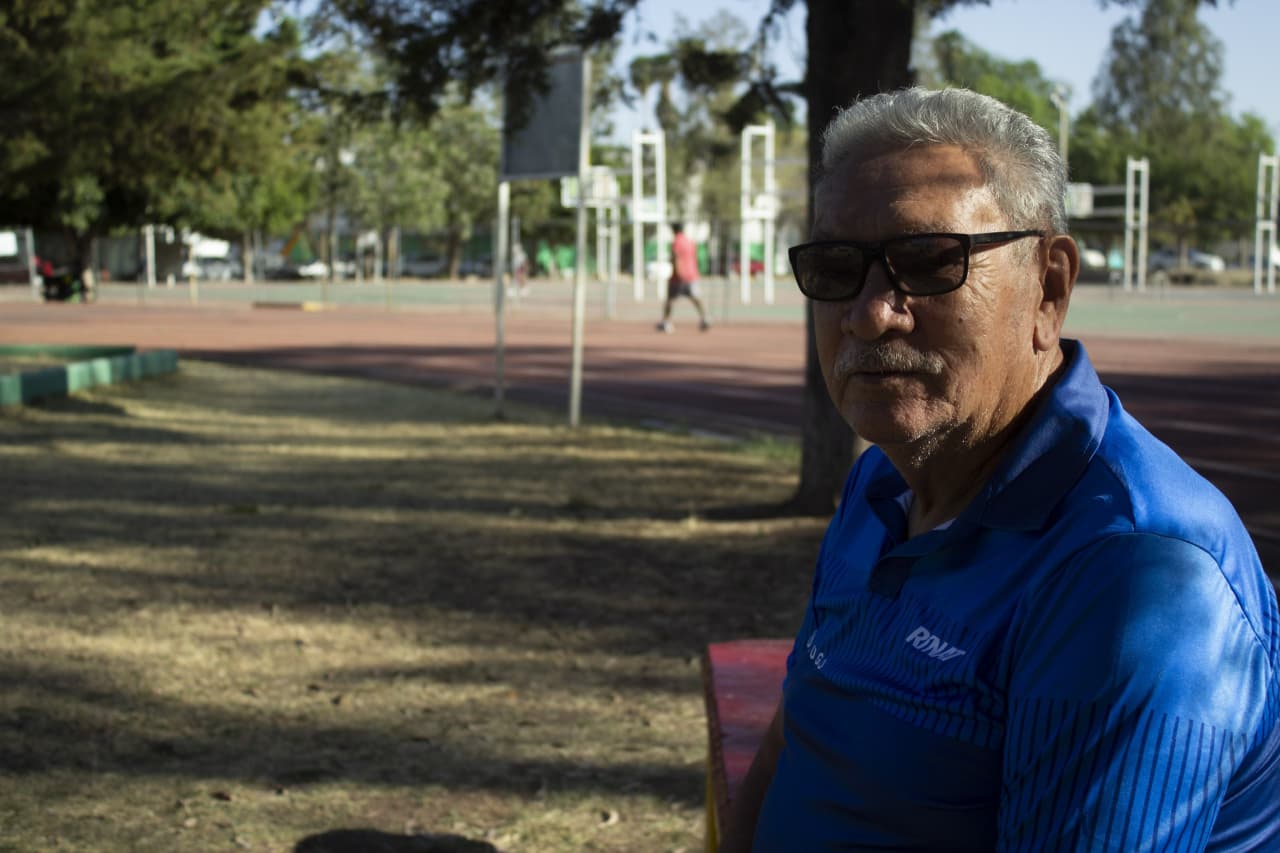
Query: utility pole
point(1059, 98)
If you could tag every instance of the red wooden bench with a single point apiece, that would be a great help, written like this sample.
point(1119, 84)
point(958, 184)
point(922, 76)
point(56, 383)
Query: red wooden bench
point(741, 681)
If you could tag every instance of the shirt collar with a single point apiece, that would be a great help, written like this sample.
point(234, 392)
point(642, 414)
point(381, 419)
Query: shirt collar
point(1051, 452)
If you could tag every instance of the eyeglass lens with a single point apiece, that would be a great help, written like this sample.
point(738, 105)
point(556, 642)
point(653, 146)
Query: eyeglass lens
point(922, 264)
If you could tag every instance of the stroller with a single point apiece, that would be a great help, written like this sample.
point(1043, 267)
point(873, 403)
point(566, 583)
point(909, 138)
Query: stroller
point(63, 286)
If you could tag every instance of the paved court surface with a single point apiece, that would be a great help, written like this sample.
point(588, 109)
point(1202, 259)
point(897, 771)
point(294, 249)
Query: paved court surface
point(1200, 369)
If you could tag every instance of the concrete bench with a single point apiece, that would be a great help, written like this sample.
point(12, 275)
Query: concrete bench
point(741, 681)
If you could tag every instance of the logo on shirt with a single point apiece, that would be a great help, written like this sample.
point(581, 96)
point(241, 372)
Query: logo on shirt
point(819, 659)
point(933, 645)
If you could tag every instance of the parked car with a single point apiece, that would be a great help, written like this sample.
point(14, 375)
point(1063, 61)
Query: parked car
point(213, 269)
point(14, 271)
point(1162, 259)
point(13, 262)
point(1094, 266)
point(281, 272)
point(1206, 260)
point(1167, 259)
point(481, 267)
point(315, 269)
point(423, 267)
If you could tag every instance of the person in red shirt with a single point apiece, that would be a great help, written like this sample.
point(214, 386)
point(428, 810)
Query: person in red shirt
point(684, 279)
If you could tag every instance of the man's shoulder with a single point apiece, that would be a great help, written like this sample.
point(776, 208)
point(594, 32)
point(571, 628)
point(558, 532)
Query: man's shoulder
point(1140, 517)
point(1149, 488)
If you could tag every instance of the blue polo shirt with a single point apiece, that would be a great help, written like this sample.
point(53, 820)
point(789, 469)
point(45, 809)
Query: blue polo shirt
point(1085, 659)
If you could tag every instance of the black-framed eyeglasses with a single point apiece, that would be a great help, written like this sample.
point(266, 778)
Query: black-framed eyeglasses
point(917, 264)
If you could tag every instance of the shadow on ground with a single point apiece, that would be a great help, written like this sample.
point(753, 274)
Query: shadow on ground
point(373, 841)
point(294, 590)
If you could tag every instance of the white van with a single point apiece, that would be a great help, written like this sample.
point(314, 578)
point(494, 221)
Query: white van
point(13, 260)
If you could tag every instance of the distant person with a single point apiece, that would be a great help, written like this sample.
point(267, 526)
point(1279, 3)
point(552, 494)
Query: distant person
point(684, 279)
point(520, 269)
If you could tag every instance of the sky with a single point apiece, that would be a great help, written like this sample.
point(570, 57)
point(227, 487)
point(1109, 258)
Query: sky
point(1068, 38)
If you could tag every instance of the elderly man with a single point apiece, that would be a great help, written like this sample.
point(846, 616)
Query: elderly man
point(1032, 627)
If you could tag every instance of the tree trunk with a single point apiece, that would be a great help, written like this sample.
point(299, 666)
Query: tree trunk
point(393, 253)
point(246, 257)
point(453, 251)
point(82, 261)
point(856, 48)
point(331, 240)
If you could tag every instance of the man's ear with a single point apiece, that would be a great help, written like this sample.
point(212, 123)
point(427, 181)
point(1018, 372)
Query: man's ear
point(1061, 268)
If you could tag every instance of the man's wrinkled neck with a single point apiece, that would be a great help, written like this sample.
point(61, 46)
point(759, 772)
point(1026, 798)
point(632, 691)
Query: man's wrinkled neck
point(946, 472)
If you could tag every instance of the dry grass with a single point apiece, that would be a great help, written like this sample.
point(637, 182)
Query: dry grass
point(242, 608)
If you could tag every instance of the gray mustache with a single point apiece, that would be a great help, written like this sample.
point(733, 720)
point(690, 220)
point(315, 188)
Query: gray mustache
point(887, 358)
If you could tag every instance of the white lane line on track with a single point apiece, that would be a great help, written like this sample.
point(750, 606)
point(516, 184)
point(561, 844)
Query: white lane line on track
point(1205, 428)
point(1269, 534)
point(1231, 468)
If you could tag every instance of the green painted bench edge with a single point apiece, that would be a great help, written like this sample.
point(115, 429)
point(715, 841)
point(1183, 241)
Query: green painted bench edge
point(111, 365)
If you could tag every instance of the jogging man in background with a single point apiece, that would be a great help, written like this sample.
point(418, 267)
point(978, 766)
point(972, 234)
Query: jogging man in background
point(684, 279)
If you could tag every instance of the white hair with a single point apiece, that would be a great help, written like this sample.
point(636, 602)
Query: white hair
point(1016, 156)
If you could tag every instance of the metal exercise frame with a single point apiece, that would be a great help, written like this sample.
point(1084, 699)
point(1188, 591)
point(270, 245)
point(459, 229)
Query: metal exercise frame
point(647, 208)
point(759, 205)
point(604, 196)
point(1268, 207)
point(1137, 180)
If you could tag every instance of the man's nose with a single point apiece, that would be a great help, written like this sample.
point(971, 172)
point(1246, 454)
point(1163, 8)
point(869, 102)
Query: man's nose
point(878, 309)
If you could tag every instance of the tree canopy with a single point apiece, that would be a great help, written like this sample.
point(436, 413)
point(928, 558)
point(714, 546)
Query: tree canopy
point(1021, 84)
point(118, 113)
point(1159, 95)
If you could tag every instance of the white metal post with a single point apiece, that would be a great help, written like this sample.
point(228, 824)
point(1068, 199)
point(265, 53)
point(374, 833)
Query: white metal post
point(610, 215)
point(149, 236)
point(605, 199)
point(580, 267)
point(1136, 207)
point(615, 228)
point(1144, 208)
point(660, 215)
point(1267, 208)
point(770, 194)
point(32, 275)
point(647, 209)
point(744, 248)
point(602, 245)
point(1128, 222)
point(500, 295)
point(637, 220)
point(759, 206)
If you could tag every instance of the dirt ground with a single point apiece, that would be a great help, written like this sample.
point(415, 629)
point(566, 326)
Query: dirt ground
point(243, 608)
